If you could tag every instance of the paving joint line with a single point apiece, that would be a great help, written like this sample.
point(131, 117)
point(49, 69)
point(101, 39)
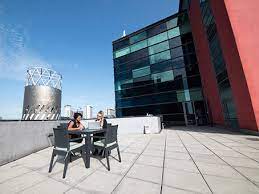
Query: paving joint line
point(131, 165)
point(231, 148)
point(239, 142)
point(74, 186)
point(226, 161)
point(194, 161)
point(162, 181)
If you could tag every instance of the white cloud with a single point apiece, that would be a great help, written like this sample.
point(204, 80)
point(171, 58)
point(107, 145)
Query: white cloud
point(15, 57)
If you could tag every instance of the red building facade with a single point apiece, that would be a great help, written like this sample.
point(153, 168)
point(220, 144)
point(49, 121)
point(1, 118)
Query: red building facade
point(227, 49)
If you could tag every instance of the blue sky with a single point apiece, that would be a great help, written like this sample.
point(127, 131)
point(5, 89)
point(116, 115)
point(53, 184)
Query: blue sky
point(72, 37)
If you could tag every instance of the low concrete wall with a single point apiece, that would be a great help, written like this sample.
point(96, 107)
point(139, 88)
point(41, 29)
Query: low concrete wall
point(152, 124)
point(21, 138)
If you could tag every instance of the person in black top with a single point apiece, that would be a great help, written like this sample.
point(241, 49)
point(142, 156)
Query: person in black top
point(75, 124)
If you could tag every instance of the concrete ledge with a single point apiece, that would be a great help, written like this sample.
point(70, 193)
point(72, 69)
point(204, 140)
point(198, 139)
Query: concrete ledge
point(21, 138)
point(126, 125)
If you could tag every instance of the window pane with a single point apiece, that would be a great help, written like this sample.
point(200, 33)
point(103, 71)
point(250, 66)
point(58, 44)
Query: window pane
point(163, 76)
point(172, 23)
point(173, 32)
point(177, 52)
point(179, 73)
point(156, 29)
point(122, 52)
point(158, 48)
point(120, 44)
point(160, 57)
point(141, 72)
point(119, 85)
point(138, 46)
point(123, 76)
point(163, 66)
point(178, 62)
point(158, 38)
point(196, 95)
point(140, 81)
point(183, 96)
point(185, 28)
point(180, 96)
point(138, 37)
point(175, 42)
point(137, 54)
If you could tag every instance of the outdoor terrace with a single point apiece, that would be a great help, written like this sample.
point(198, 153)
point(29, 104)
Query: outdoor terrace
point(178, 160)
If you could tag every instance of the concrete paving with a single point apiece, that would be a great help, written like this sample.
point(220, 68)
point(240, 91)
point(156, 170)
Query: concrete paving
point(178, 160)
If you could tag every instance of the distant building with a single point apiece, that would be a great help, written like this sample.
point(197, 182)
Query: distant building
point(68, 112)
point(1, 118)
point(88, 112)
point(110, 113)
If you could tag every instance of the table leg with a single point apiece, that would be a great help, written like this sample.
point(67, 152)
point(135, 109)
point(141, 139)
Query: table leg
point(87, 150)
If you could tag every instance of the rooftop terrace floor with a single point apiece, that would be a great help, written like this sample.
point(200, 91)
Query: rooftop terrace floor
point(178, 160)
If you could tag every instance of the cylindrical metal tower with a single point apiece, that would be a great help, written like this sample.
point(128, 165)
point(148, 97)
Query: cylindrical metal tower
point(42, 94)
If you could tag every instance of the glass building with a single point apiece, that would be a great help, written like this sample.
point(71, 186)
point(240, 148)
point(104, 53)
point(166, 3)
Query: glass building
point(156, 72)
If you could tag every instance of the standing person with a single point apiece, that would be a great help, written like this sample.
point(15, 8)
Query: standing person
point(103, 124)
point(76, 124)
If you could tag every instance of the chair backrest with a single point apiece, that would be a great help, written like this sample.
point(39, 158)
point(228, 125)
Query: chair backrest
point(61, 138)
point(111, 134)
point(63, 125)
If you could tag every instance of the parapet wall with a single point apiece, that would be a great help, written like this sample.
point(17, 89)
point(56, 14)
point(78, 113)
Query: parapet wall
point(21, 138)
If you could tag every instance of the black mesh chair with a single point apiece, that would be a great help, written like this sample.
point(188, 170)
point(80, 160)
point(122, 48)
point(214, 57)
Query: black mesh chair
point(108, 142)
point(63, 125)
point(63, 147)
point(73, 138)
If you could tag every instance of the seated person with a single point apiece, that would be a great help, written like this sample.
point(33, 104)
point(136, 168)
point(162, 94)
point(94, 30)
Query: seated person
point(101, 119)
point(103, 124)
point(75, 124)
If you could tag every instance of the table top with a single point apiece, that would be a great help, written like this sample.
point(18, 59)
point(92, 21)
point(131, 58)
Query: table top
point(86, 131)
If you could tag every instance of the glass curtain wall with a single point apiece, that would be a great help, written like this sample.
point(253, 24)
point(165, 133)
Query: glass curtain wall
point(218, 62)
point(156, 69)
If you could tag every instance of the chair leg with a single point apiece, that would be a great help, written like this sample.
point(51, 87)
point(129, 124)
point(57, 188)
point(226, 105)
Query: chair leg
point(107, 158)
point(119, 154)
point(51, 161)
point(66, 164)
point(70, 158)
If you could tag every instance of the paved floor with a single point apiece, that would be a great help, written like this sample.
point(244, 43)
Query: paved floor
point(179, 160)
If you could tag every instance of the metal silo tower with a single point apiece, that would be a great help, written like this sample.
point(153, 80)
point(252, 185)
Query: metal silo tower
point(42, 94)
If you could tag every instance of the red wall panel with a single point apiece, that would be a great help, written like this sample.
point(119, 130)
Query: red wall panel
point(236, 22)
point(209, 82)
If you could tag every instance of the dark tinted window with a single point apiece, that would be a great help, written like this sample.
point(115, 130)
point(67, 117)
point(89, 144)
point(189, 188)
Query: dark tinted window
point(156, 30)
point(175, 42)
point(121, 44)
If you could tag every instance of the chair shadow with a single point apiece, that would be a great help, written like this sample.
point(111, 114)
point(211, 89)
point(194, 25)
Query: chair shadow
point(100, 158)
point(60, 159)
